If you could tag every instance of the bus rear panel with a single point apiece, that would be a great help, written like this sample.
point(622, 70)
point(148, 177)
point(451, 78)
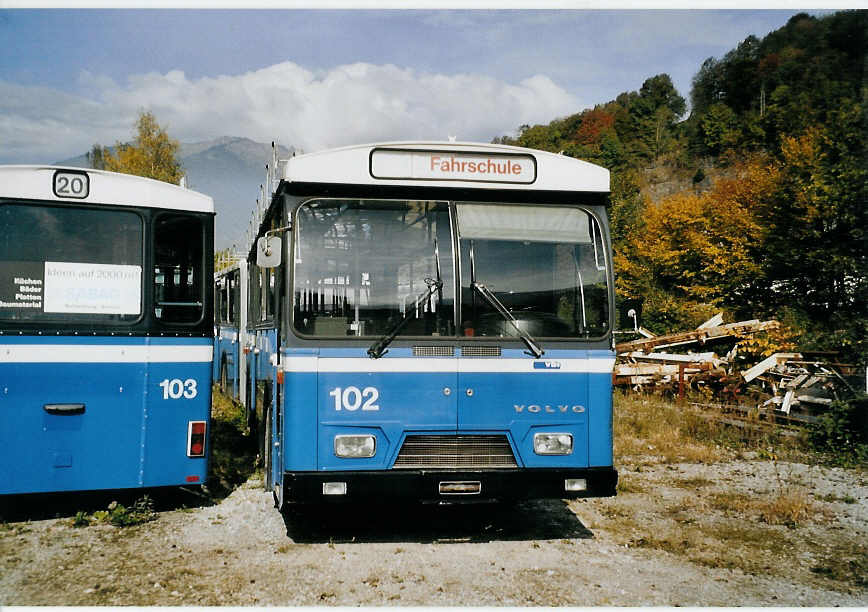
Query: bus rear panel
point(105, 331)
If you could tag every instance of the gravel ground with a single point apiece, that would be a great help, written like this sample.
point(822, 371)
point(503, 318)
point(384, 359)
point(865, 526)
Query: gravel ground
point(624, 551)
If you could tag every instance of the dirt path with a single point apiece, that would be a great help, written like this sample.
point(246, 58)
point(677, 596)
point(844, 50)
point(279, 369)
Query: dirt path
point(670, 538)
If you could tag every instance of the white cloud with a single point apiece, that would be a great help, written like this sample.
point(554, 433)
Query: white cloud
point(348, 104)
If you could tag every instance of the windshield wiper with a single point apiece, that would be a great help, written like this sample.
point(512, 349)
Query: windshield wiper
point(529, 342)
point(378, 348)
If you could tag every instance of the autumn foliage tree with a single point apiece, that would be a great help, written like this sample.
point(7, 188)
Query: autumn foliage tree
point(696, 253)
point(152, 153)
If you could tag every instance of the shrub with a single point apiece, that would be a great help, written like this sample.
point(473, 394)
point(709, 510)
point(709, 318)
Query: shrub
point(142, 511)
point(842, 431)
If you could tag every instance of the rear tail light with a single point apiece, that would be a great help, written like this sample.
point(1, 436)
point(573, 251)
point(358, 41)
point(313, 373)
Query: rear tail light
point(196, 439)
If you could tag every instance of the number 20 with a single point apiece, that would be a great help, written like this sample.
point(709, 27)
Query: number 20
point(351, 398)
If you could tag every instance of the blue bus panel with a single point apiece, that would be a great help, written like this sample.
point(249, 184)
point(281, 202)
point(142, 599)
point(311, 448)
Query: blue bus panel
point(101, 413)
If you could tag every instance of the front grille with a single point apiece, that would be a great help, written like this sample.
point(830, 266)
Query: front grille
point(433, 351)
point(455, 452)
point(480, 351)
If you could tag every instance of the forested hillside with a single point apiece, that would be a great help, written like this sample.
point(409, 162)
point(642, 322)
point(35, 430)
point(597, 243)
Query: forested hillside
point(769, 218)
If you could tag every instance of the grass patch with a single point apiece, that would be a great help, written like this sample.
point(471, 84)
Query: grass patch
point(692, 484)
point(787, 508)
point(675, 433)
point(233, 449)
point(741, 520)
point(852, 570)
point(732, 502)
point(142, 511)
point(629, 484)
point(650, 426)
point(832, 498)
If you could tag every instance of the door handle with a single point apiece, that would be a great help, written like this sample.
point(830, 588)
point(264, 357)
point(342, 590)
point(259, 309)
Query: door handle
point(64, 409)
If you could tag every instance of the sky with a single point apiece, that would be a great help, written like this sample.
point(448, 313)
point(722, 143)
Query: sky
point(316, 79)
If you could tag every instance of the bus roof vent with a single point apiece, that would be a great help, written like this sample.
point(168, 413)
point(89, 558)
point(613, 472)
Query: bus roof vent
point(480, 351)
point(433, 351)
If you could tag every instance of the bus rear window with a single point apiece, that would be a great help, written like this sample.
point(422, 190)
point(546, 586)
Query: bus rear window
point(179, 292)
point(69, 264)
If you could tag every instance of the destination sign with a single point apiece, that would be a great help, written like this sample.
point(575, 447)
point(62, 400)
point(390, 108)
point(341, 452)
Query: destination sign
point(453, 166)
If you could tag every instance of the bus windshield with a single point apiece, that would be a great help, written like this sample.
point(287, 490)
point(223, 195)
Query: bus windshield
point(361, 265)
point(546, 265)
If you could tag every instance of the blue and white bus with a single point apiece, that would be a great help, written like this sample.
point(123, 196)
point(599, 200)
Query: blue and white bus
point(433, 321)
point(230, 327)
point(106, 323)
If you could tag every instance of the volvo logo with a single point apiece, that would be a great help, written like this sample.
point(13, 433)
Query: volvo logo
point(559, 408)
point(546, 365)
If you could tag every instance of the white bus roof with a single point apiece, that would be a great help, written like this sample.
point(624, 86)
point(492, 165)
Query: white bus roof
point(447, 164)
point(38, 183)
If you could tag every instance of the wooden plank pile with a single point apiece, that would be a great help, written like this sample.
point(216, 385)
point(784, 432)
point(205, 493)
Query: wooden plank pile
point(800, 385)
point(796, 385)
point(641, 366)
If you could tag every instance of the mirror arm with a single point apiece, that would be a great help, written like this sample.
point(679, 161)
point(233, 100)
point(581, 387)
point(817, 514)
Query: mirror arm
point(266, 250)
point(277, 230)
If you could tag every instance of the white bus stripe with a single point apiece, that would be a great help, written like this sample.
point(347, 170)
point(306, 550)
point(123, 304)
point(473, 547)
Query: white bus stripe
point(104, 353)
point(594, 365)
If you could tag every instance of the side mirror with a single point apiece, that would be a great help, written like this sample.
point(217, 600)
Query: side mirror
point(629, 313)
point(268, 252)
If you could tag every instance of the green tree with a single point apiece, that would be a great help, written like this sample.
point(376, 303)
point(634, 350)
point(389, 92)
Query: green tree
point(152, 154)
point(653, 115)
point(814, 250)
point(719, 127)
point(96, 157)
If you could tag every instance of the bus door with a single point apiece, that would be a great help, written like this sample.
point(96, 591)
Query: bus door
point(71, 405)
point(367, 271)
point(178, 375)
point(538, 274)
point(384, 397)
point(525, 396)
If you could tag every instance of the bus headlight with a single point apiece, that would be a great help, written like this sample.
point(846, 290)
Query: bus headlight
point(355, 446)
point(552, 443)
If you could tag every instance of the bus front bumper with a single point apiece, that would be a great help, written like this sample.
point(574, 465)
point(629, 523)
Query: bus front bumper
point(449, 486)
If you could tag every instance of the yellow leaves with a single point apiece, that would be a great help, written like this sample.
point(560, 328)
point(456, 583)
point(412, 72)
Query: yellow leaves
point(153, 154)
point(701, 247)
point(764, 344)
point(797, 150)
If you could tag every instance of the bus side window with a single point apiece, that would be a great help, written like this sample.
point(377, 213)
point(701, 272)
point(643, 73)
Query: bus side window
point(252, 294)
point(178, 286)
point(220, 300)
point(263, 294)
point(234, 295)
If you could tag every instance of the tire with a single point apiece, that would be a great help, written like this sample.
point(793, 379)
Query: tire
point(224, 377)
point(266, 454)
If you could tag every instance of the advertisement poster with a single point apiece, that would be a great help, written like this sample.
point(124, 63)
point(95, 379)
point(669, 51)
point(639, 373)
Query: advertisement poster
point(83, 288)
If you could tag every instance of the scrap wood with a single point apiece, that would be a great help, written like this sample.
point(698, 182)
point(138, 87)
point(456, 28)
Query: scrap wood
point(714, 321)
point(644, 332)
point(662, 369)
point(742, 328)
point(673, 357)
point(746, 417)
point(767, 364)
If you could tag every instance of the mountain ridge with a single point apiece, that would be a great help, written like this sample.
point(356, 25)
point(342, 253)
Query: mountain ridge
point(227, 168)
